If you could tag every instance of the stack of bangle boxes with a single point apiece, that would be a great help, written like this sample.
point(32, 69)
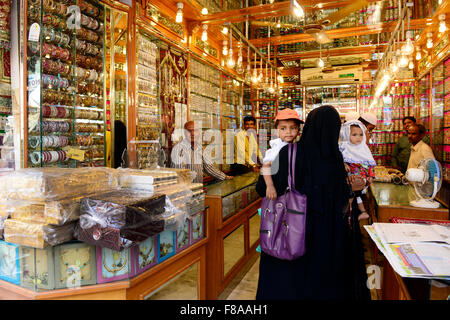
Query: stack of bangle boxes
point(74, 263)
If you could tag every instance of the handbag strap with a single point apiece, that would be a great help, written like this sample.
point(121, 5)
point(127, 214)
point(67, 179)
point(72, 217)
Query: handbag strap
point(291, 165)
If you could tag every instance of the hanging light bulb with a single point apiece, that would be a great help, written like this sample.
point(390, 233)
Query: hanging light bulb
point(271, 87)
point(442, 25)
point(239, 64)
point(225, 47)
point(280, 79)
point(403, 61)
point(205, 34)
point(429, 40)
point(418, 53)
point(255, 75)
point(408, 47)
point(260, 76)
point(225, 30)
point(411, 65)
point(205, 11)
point(230, 62)
point(248, 76)
point(320, 63)
point(179, 16)
point(298, 10)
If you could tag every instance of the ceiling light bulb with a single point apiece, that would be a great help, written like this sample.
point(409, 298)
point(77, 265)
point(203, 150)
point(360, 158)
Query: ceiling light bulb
point(411, 65)
point(278, 25)
point(225, 47)
point(408, 47)
point(280, 79)
point(418, 54)
point(225, 30)
point(230, 62)
point(430, 40)
point(403, 62)
point(205, 34)
point(205, 11)
point(442, 25)
point(179, 16)
point(320, 63)
point(298, 11)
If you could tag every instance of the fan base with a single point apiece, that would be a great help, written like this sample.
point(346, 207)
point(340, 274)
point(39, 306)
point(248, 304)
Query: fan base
point(425, 203)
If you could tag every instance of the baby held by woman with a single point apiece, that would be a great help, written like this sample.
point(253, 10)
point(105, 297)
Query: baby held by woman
point(357, 158)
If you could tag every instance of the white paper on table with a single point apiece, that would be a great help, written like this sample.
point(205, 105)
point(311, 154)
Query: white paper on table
point(410, 232)
point(436, 257)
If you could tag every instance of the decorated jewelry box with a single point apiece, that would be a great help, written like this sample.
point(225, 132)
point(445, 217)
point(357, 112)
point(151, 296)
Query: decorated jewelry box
point(75, 265)
point(9, 262)
point(166, 245)
point(114, 265)
point(145, 254)
point(197, 228)
point(39, 184)
point(37, 269)
point(37, 235)
point(183, 236)
point(121, 218)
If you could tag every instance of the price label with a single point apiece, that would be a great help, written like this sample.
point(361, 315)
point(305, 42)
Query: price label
point(74, 153)
point(35, 30)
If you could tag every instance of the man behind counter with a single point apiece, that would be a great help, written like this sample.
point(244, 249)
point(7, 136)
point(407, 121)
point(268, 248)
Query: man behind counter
point(419, 149)
point(402, 149)
point(247, 155)
point(188, 154)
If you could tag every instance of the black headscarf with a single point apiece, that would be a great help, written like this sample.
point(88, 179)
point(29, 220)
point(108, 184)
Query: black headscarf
point(319, 165)
point(319, 171)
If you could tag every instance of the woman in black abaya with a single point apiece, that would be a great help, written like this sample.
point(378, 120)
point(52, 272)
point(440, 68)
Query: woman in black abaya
point(326, 270)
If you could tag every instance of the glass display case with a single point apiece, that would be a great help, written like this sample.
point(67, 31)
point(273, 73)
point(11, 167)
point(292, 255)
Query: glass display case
point(437, 113)
point(265, 107)
point(342, 97)
point(148, 124)
point(204, 107)
point(204, 95)
point(446, 142)
point(65, 91)
point(116, 74)
point(390, 109)
point(424, 101)
point(235, 194)
point(247, 107)
point(230, 116)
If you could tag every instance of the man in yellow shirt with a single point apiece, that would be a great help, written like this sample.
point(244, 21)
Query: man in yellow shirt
point(247, 155)
point(419, 149)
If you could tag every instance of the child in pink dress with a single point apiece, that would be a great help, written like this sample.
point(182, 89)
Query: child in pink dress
point(357, 158)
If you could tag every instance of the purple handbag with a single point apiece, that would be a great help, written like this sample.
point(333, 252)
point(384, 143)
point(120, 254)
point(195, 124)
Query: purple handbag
point(283, 221)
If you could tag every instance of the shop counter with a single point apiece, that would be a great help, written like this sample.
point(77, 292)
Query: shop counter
point(388, 200)
point(170, 265)
point(233, 229)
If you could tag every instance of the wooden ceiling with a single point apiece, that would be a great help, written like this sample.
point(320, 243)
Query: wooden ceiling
point(193, 19)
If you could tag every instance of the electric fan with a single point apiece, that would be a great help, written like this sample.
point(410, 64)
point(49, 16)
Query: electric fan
point(427, 180)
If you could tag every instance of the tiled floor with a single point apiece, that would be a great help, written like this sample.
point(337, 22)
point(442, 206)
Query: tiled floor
point(244, 286)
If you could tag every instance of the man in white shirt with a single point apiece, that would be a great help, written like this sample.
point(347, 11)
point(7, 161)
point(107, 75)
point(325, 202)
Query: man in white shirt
point(419, 149)
point(188, 154)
